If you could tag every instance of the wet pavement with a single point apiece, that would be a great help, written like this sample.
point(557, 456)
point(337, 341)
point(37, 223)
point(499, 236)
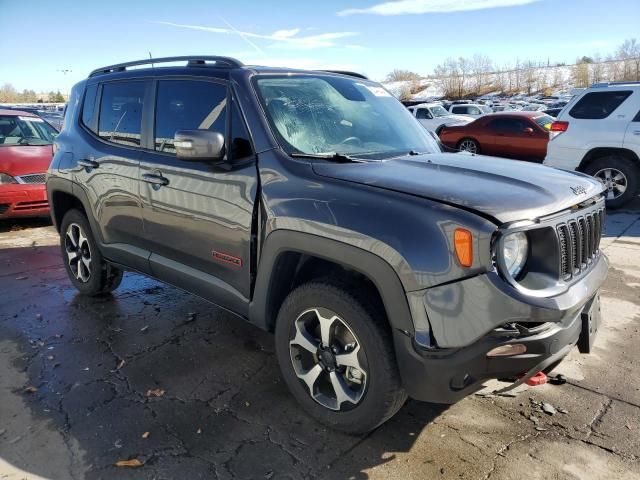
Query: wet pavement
point(161, 378)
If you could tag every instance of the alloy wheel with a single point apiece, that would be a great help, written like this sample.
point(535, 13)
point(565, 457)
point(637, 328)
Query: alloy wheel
point(78, 252)
point(328, 358)
point(614, 180)
point(468, 146)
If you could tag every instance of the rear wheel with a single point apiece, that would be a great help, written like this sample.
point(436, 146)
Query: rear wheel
point(87, 269)
point(619, 175)
point(468, 145)
point(336, 357)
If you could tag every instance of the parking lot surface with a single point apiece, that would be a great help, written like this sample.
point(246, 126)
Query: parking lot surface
point(181, 389)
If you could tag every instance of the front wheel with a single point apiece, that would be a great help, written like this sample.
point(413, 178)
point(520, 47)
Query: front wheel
point(87, 269)
point(336, 357)
point(620, 177)
point(468, 145)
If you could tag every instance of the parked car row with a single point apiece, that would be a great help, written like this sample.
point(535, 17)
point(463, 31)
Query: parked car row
point(597, 133)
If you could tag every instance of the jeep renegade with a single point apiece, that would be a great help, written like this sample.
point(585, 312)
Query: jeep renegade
point(315, 206)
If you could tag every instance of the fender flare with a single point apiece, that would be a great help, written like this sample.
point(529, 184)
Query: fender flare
point(372, 266)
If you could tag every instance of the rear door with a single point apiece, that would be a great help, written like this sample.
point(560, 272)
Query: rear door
point(632, 136)
point(108, 165)
point(198, 223)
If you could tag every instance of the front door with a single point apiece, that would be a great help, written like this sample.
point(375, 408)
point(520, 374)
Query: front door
point(197, 215)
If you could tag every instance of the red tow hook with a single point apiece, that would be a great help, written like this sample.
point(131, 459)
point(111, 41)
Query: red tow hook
point(538, 379)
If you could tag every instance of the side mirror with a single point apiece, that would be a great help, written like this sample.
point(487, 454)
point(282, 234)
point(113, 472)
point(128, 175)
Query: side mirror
point(199, 145)
point(528, 131)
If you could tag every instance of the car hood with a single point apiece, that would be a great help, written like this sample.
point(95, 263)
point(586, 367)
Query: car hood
point(25, 159)
point(506, 190)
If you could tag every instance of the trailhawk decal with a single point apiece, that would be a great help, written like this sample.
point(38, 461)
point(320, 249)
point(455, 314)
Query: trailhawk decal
point(226, 258)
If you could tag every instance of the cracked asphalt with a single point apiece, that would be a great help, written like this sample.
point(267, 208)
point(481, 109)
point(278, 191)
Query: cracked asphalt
point(160, 377)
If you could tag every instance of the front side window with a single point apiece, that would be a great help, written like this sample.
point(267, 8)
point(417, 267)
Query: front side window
point(121, 112)
point(459, 110)
point(318, 114)
point(598, 105)
point(510, 125)
point(188, 105)
point(240, 142)
point(18, 130)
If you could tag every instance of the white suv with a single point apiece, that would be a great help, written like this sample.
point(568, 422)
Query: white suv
point(598, 133)
point(470, 109)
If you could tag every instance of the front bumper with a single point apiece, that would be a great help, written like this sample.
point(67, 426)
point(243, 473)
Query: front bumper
point(472, 318)
point(20, 200)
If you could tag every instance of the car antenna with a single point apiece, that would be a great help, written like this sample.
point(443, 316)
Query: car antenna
point(151, 58)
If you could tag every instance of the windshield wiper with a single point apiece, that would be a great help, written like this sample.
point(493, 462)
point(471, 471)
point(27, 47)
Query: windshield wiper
point(336, 157)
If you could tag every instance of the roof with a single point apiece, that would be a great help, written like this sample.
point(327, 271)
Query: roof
point(515, 113)
point(15, 113)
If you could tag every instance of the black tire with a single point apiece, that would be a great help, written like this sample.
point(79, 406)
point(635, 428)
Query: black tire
point(627, 167)
point(382, 393)
point(103, 277)
point(471, 140)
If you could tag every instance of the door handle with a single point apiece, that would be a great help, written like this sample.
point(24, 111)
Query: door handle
point(88, 163)
point(155, 180)
point(636, 132)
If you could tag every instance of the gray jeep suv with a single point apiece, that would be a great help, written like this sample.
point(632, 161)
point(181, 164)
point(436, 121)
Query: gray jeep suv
point(313, 205)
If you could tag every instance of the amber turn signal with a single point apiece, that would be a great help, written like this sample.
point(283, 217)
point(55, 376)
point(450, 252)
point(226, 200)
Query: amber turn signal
point(462, 240)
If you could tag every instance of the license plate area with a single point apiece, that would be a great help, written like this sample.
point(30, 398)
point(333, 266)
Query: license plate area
point(590, 317)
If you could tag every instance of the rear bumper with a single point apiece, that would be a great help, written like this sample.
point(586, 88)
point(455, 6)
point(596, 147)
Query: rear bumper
point(19, 200)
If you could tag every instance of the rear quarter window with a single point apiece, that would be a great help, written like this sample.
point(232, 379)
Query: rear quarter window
point(89, 108)
point(598, 105)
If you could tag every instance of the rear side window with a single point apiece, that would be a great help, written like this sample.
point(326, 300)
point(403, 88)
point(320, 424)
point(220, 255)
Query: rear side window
point(121, 112)
point(188, 105)
point(598, 105)
point(473, 111)
point(637, 118)
point(89, 108)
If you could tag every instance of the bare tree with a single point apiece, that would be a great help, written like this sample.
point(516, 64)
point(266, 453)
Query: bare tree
point(402, 75)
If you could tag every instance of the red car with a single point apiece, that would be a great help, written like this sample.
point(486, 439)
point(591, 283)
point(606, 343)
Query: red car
point(25, 154)
point(519, 135)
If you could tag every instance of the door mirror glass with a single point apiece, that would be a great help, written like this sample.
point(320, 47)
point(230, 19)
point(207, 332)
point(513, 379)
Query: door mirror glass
point(199, 146)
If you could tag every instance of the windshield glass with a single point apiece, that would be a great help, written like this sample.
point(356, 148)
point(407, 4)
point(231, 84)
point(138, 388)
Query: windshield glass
point(323, 115)
point(439, 111)
point(544, 121)
point(19, 130)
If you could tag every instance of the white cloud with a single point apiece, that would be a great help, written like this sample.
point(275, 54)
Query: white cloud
point(408, 7)
point(286, 33)
point(281, 38)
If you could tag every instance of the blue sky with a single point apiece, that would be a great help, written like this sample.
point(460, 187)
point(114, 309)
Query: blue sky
point(42, 37)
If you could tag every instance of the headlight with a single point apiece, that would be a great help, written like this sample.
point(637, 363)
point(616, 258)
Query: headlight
point(515, 248)
point(4, 179)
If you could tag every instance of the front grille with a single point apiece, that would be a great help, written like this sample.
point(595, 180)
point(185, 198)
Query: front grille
point(579, 242)
point(3, 207)
point(32, 178)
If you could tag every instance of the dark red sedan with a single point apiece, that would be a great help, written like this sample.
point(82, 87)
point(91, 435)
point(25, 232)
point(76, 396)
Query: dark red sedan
point(25, 154)
point(519, 135)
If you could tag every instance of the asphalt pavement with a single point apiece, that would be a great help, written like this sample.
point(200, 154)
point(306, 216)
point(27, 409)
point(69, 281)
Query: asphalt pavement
point(176, 388)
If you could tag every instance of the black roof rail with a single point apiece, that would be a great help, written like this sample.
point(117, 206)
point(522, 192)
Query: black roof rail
point(346, 72)
point(192, 61)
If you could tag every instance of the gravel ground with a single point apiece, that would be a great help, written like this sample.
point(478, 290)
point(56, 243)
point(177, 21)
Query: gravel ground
point(160, 377)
